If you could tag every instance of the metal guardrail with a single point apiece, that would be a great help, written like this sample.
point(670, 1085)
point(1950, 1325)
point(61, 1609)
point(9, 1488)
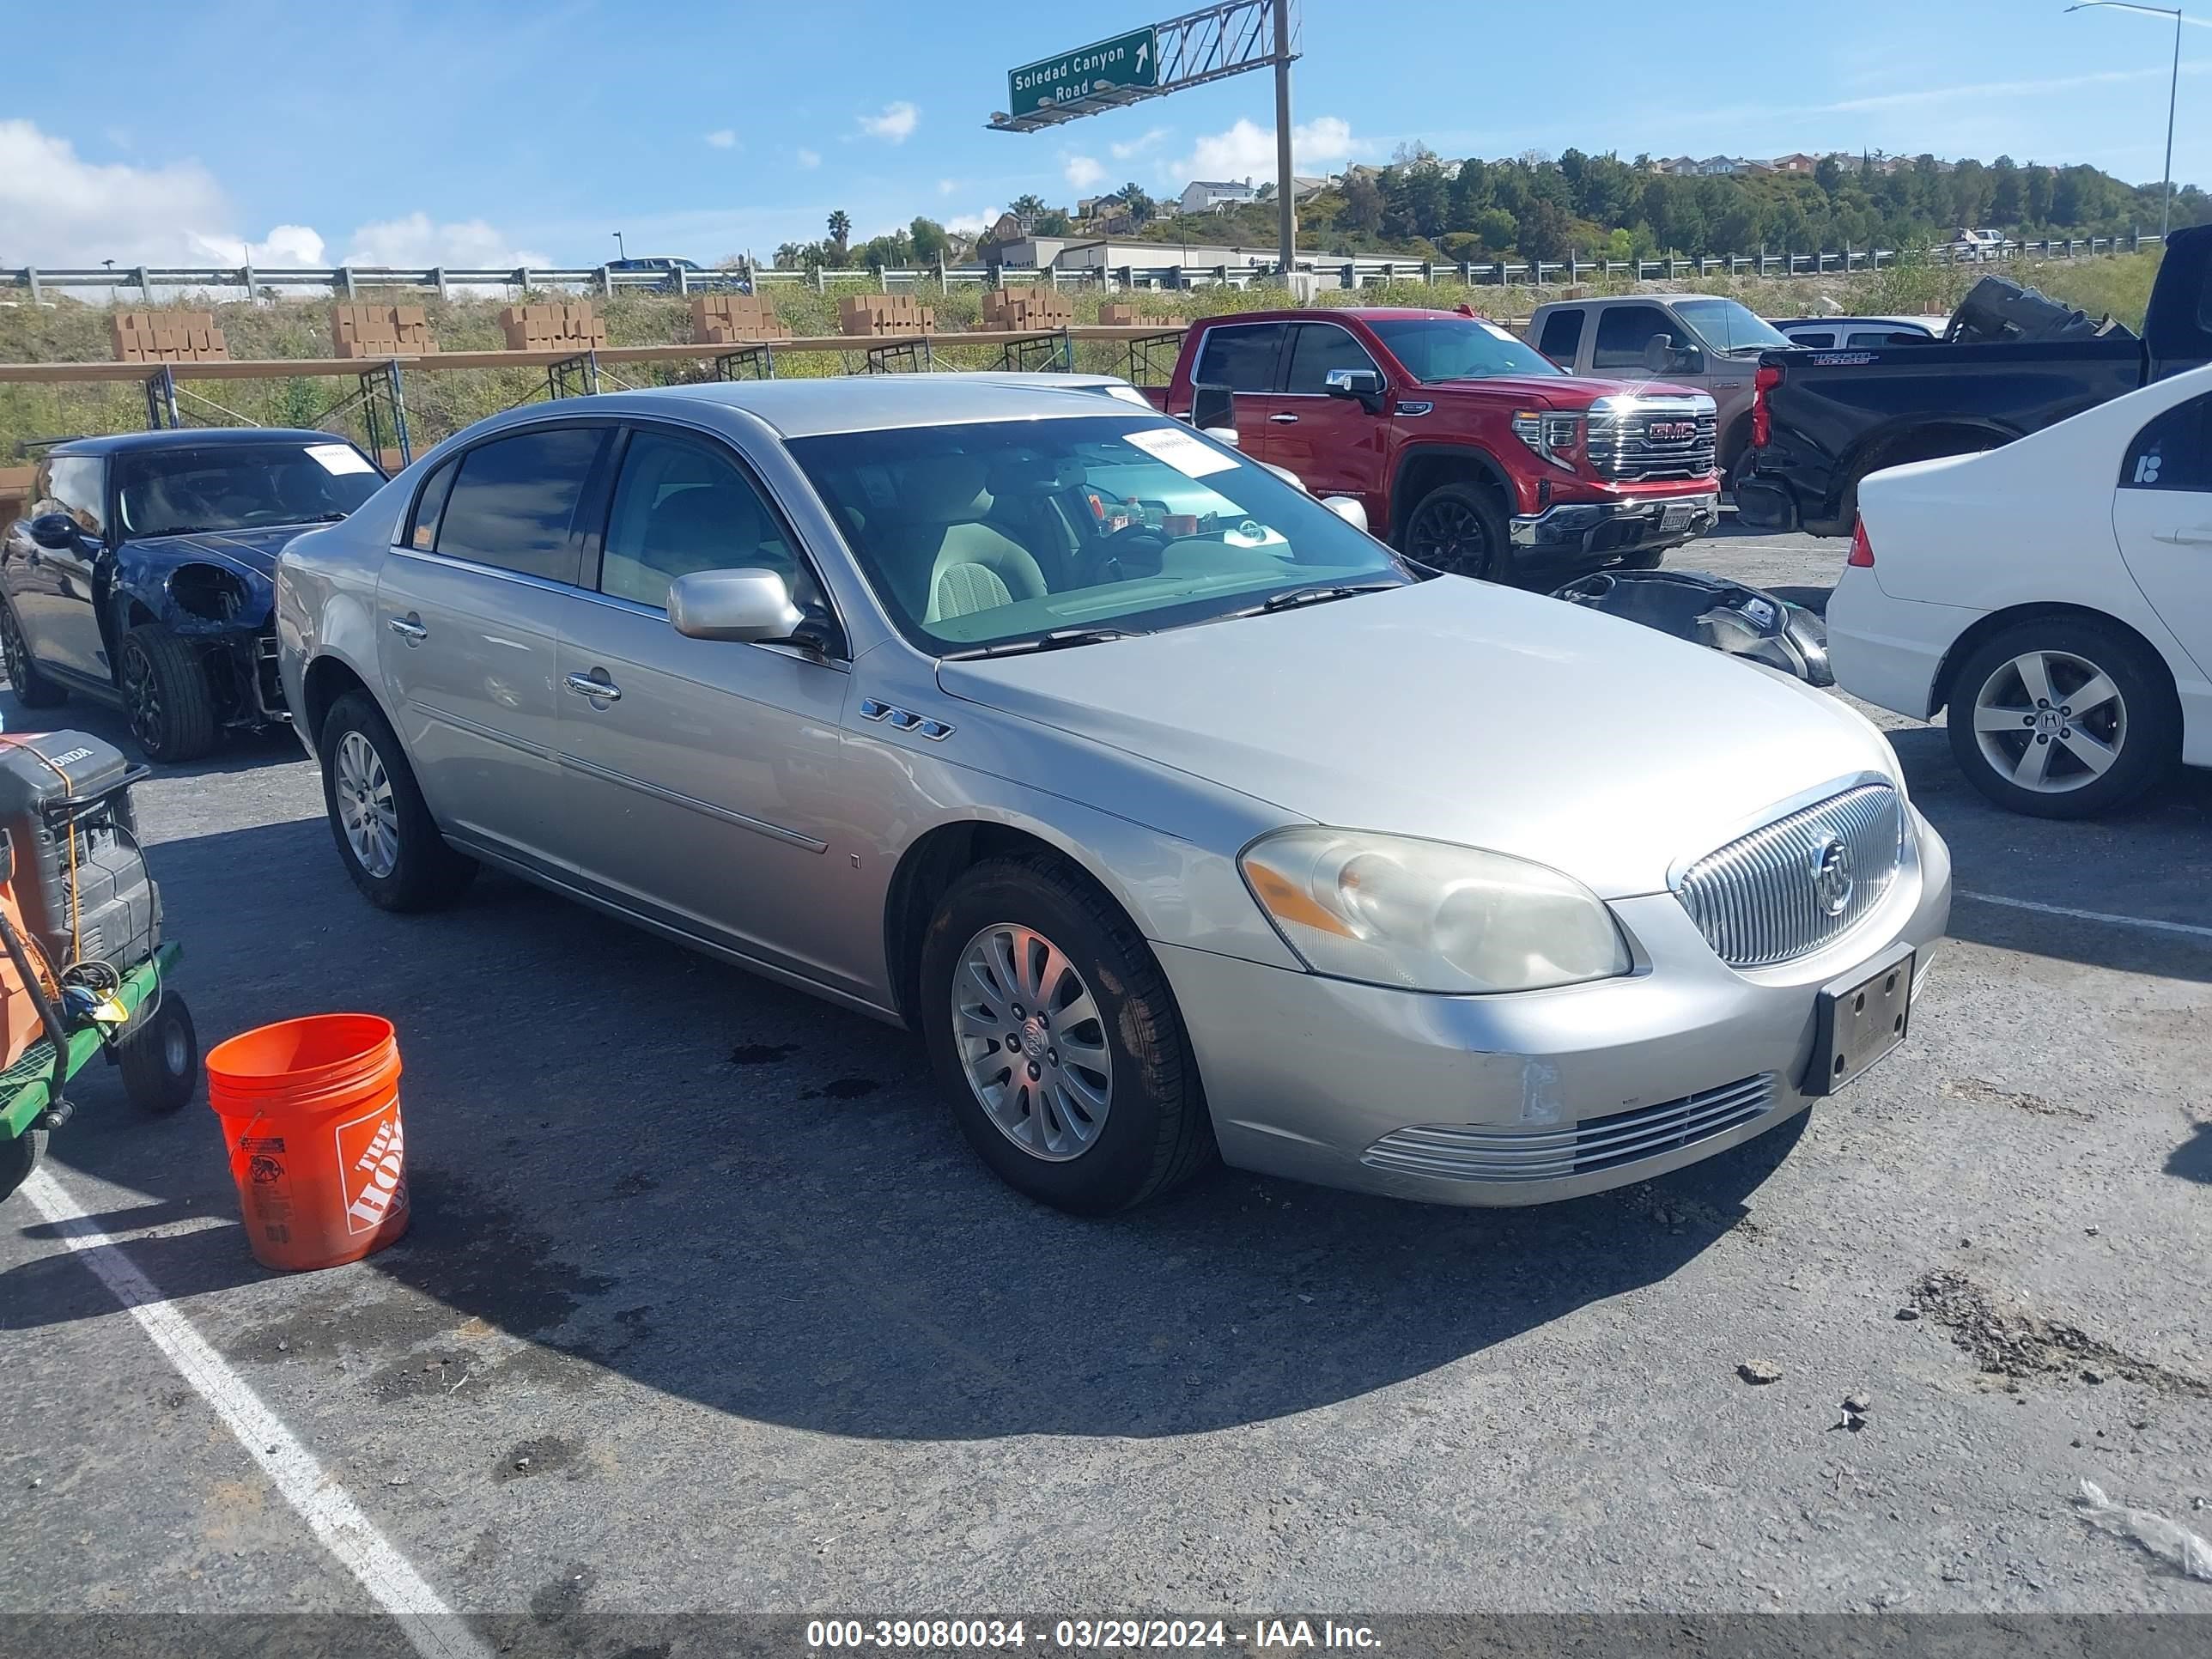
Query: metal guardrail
point(348, 280)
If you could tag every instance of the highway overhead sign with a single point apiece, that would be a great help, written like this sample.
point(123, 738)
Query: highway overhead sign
point(1121, 65)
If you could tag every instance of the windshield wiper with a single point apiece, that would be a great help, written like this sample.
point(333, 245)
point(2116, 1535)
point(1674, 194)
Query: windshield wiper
point(1293, 598)
point(1059, 639)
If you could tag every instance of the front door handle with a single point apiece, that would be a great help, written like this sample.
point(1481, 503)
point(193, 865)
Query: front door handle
point(2195, 535)
point(1283, 420)
point(409, 627)
point(587, 685)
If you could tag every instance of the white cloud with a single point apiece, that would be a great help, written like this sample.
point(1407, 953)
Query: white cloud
point(57, 209)
point(285, 246)
point(1151, 139)
point(894, 125)
point(946, 186)
point(969, 224)
point(721, 138)
point(1248, 151)
point(417, 240)
point(809, 158)
point(1082, 172)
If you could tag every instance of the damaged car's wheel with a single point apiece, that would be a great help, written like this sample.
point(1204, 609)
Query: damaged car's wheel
point(166, 695)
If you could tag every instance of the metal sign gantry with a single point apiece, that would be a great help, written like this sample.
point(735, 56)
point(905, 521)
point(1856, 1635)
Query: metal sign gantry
point(1184, 52)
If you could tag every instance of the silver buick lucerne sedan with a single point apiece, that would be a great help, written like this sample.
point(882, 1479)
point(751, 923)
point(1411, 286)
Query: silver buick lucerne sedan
point(1174, 812)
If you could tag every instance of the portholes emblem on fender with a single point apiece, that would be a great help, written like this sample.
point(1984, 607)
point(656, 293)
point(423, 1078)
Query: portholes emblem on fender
point(904, 720)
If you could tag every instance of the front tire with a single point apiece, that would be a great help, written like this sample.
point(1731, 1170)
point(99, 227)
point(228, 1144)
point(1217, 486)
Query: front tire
point(1458, 529)
point(166, 695)
point(386, 839)
point(18, 1157)
point(160, 1060)
point(1056, 1039)
point(2065, 717)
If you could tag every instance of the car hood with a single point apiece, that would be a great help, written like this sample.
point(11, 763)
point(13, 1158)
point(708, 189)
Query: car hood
point(1458, 711)
point(1562, 391)
point(255, 550)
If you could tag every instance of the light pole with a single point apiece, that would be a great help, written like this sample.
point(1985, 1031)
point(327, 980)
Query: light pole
point(2172, 90)
point(619, 253)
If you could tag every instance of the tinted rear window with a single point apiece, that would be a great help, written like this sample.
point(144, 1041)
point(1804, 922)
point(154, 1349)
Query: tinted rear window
point(1242, 357)
point(513, 502)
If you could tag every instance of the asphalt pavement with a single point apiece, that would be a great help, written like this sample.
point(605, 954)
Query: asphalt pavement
point(706, 1307)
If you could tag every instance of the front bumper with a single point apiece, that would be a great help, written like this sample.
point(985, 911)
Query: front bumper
point(1621, 527)
point(1533, 1096)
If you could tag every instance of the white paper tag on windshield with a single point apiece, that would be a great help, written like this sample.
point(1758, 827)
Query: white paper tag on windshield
point(339, 458)
point(1180, 450)
point(1502, 333)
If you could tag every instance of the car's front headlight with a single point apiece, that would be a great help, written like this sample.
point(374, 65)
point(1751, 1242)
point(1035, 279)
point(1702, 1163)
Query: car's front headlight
point(1426, 915)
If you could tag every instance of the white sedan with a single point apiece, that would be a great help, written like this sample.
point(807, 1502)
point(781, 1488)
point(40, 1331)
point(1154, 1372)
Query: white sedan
point(2055, 595)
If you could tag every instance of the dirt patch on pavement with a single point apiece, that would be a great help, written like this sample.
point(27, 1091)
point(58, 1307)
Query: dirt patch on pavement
point(2011, 1342)
point(1984, 1093)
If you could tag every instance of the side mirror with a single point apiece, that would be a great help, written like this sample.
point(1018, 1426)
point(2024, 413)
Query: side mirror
point(1360, 383)
point(1662, 356)
point(732, 605)
point(57, 531)
point(1212, 407)
point(1348, 508)
point(1223, 434)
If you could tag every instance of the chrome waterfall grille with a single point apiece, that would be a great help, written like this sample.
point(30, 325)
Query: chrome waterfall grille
point(1791, 886)
point(1649, 438)
point(1483, 1153)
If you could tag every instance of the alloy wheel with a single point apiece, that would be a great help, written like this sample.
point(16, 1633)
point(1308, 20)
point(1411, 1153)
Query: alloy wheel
point(1449, 536)
point(141, 697)
point(2050, 721)
point(15, 656)
point(366, 813)
point(1032, 1042)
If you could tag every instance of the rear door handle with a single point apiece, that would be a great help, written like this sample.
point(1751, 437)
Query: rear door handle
point(410, 628)
point(585, 685)
point(2195, 535)
point(1283, 420)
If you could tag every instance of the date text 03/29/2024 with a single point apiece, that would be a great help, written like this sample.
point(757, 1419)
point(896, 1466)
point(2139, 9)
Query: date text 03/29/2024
point(1083, 1635)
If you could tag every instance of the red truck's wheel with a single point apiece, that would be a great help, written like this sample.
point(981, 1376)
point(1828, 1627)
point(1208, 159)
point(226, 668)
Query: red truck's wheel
point(1458, 529)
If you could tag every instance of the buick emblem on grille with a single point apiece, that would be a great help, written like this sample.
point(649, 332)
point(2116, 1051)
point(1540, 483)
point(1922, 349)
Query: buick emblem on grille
point(1832, 880)
point(1672, 431)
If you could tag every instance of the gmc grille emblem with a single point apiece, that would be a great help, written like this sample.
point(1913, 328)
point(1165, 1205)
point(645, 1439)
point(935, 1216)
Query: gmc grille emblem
point(1672, 431)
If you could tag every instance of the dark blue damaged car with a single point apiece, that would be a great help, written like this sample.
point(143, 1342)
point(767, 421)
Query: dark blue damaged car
point(142, 574)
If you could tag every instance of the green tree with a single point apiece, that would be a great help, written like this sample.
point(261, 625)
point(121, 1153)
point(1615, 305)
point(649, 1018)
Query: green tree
point(1142, 207)
point(1053, 222)
point(929, 241)
point(841, 231)
point(2008, 194)
point(1028, 205)
point(1363, 203)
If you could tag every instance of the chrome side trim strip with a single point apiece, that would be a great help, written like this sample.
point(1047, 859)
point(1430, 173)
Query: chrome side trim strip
point(774, 831)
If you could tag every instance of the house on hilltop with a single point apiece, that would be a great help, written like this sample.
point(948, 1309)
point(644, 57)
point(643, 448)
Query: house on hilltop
point(1211, 195)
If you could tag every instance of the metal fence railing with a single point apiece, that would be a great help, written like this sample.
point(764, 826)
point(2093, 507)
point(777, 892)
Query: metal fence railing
point(348, 280)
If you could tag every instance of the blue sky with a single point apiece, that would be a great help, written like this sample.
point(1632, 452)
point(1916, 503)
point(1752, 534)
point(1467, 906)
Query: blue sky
point(468, 133)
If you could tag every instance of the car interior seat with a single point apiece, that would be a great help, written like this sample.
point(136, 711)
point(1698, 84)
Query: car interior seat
point(940, 554)
point(708, 527)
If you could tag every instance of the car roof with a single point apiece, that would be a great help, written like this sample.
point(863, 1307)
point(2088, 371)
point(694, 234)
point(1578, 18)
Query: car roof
point(1855, 322)
point(871, 403)
point(196, 437)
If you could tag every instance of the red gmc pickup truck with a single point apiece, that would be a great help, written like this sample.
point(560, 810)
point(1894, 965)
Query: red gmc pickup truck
point(1471, 452)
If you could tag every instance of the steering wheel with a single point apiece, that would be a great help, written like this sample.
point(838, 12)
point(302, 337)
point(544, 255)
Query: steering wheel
point(1103, 564)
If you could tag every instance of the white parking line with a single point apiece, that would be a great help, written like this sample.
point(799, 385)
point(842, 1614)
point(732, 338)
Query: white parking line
point(434, 1629)
point(2188, 927)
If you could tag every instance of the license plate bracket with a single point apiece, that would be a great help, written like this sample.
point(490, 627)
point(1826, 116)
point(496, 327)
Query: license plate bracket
point(1678, 515)
point(1859, 1019)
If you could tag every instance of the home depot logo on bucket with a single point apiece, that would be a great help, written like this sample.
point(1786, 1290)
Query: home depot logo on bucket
point(372, 1164)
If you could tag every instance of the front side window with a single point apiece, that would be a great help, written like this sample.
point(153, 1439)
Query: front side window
point(1818, 338)
point(241, 486)
point(2171, 452)
point(1317, 348)
point(514, 504)
point(1729, 326)
point(1240, 357)
point(1623, 331)
point(1002, 531)
point(1433, 349)
point(681, 506)
point(1563, 332)
point(77, 485)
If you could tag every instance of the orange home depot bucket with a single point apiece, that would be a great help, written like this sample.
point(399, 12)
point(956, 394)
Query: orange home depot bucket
point(310, 1111)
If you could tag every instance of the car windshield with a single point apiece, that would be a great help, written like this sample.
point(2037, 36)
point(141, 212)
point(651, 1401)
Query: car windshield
point(1050, 532)
point(1459, 349)
point(165, 492)
point(1730, 325)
